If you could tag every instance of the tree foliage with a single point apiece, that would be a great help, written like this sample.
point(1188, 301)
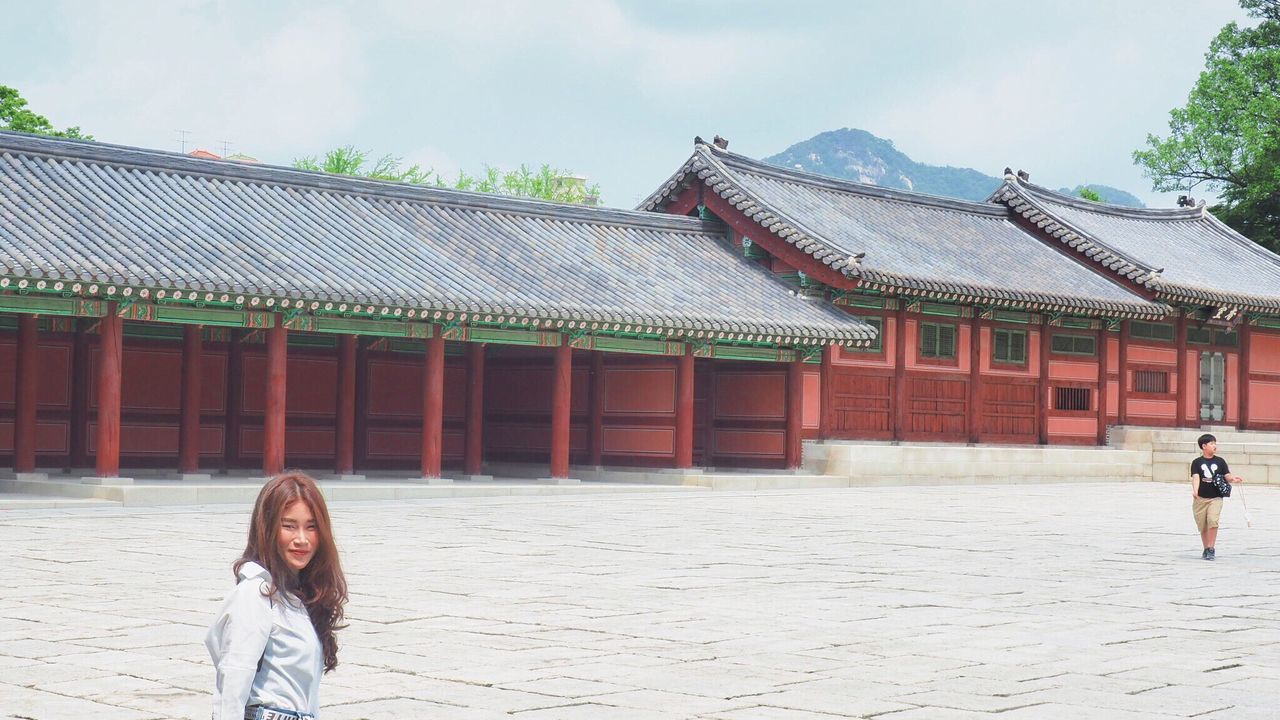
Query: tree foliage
point(1227, 136)
point(14, 115)
point(1089, 194)
point(545, 183)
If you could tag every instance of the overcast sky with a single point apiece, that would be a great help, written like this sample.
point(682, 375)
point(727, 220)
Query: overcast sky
point(616, 89)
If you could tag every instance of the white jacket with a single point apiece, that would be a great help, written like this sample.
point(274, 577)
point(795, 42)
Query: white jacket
point(276, 630)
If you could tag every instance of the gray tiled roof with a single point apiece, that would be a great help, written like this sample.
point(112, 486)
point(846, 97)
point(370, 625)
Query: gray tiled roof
point(958, 249)
point(103, 213)
point(1184, 254)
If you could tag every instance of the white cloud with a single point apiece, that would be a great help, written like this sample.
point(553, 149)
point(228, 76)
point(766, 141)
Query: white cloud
point(137, 73)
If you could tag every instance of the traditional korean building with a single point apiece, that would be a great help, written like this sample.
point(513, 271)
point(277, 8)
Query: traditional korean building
point(1216, 357)
point(1036, 317)
point(164, 311)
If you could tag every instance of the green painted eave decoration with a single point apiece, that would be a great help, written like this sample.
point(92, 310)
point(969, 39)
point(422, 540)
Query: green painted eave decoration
point(1079, 323)
point(1267, 322)
point(190, 315)
point(1010, 316)
point(504, 336)
point(860, 301)
point(51, 305)
point(738, 352)
point(927, 308)
point(636, 346)
point(359, 326)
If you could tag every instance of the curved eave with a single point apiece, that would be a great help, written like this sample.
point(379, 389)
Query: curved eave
point(562, 318)
point(1188, 295)
point(1072, 237)
point(895, 284)
point(705, 168)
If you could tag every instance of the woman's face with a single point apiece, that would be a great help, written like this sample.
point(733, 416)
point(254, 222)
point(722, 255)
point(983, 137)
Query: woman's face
point(297, 536)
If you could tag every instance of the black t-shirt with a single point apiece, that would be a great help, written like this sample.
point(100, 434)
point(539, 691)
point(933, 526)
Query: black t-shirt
point(1206, 469)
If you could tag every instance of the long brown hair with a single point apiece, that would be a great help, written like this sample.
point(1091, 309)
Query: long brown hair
point(321, 585)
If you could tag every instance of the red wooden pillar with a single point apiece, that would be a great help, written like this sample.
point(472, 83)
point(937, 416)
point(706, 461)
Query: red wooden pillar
point(684, 408)
point(825, 378)
point(1102, 382)
point(1042, 384)
point(1180, 391)
point(795, 411)
point(273, 422)
point(110, 357)
point(433, 406)
point(975, 376)
point(344, 451)
point(474, 455)
point(595, 430)
point(26, 395)
point(1246, 340)
point(899, 389)
point(189, 423)
point(561, 387)
point(1122, 403)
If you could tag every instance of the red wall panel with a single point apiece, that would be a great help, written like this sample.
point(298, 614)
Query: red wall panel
point(640, 391)
point(751, 395)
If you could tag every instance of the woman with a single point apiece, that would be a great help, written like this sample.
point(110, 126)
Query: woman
point(274, 635)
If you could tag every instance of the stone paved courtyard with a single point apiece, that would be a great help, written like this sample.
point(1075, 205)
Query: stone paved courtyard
point(915, 603)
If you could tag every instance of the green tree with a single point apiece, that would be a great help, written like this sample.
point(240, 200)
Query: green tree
point(1227, 136)
point(1089, 194)
point(546, 183)
point(14, 115)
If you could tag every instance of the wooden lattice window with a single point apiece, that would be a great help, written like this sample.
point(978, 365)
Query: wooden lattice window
point(1010, 346)
point(1150, 381)
point(1209, 336)
point(1072, 398)
point(876, 345)
point(1075, 344)
point(937, 341)
point(1142, 330)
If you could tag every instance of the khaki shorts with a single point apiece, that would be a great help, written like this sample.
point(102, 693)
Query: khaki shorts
point(1206, 511)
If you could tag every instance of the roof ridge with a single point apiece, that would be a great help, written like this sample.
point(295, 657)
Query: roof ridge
point(1194, 213)
point(267, 174)
point(857, 188)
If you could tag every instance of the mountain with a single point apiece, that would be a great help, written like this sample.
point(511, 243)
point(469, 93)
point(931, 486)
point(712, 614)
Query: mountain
point(853, 154)
point(1114, 196)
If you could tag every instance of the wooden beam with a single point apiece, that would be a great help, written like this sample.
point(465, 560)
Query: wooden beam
point(974, 418)
point(1180, 391)
point(1042, 384)
point(344, 451)
point(473, 460)
point(26, 394)
point(1122, 404)
point(684, 411)
point(795, 413)
point(189, 422)
point(1102, 382)
point(433, 407)
point(561, 387)
point(826, 377)
point(899, 370)
point(1245, 335)
point(111, 334)
point(273, 418)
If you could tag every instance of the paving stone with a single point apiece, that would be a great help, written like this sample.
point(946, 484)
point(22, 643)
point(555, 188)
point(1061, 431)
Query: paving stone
point(906, 603)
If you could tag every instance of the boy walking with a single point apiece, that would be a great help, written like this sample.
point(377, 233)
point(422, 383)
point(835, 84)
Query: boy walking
point(1206, 501)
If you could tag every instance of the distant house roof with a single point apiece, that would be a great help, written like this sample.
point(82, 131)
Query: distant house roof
point(92, 212)
point(1183, 254)
point(953, 248)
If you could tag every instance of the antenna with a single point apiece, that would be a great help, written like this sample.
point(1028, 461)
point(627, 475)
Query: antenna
point(182, 135)
point(225, 144)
